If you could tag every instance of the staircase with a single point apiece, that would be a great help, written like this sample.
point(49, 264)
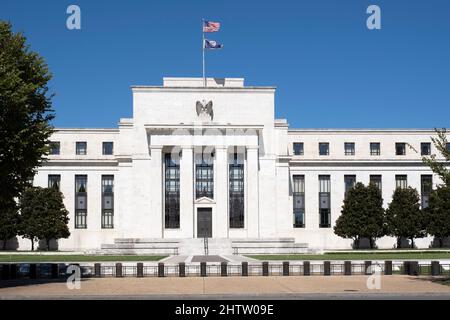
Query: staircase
point(199, 246)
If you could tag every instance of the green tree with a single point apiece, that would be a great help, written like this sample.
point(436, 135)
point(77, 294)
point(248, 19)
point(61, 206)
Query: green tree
point(438, 213)
point(25, 115)
point(43, 215)
point(9, 223)
point(362, 215)
point(404, 217)
point(440, 167)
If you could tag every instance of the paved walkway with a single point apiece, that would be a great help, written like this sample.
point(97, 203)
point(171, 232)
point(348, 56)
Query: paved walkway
point(212, 258)
point(234, 287)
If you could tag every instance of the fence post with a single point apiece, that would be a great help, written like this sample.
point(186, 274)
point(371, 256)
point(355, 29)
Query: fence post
point(13, 271)
point(5, 272)
point(367, 267)
point(97, 270)
point(306, 268)
point(160, 270)
point(388, 268)
point(33, 271)
point(327, 268)
point(119, 270)
point(265, 269)
point(182, 269)
point(286, 268)
point(140, 270)
point(224, 269)
point(414, 268)
point(55, 271)
point(406, 267)
point(202, 269)
point(347, 268)
point(435, 268)
point(244, 269)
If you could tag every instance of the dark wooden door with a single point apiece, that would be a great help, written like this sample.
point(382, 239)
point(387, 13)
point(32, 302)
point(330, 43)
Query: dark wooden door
point(204, 223)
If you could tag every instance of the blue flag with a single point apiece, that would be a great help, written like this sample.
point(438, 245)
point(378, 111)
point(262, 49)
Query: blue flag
point(211, 44)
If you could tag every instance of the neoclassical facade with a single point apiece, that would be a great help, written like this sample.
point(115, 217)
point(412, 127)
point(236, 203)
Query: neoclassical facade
point(213, 162)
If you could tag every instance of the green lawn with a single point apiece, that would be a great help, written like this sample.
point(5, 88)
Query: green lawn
point(358, 256)
point(74, 258)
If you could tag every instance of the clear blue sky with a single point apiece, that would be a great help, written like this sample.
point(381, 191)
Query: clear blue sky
point(330, 70)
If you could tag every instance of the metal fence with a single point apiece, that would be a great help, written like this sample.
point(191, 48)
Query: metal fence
point(327, 268)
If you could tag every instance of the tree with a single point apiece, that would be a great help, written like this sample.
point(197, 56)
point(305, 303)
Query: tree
point(362, 215)
point(25, 115)
point(9, 222)
point(438, 212)
point(404, 217)
point(43, 215)
point(439, 167)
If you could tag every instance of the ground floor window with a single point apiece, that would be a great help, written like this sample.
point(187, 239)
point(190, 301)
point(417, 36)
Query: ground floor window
point(298, 194)
point(236, 192)
point(107, 202)
point(172, 192)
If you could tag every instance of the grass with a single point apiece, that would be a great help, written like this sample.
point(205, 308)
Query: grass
point(24, 258)
point(358, 256)
point(445, 281)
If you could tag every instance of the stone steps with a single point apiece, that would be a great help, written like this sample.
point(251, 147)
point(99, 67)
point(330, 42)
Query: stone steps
point(141, 246)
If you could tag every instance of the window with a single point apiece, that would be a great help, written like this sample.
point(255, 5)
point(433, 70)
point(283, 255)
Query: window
point(425, 148)
point(448, 146)
point(55, 148)
point(204, 175)
point(298, 193)
point(324, 202)
point(80, 202)
point(426, 187)
point(400, 149)
point(376, 180)
point(236, 192)
point(349, 182)
point(324, 148)
point(108, 202)
point(81, 148)
point(172, 192)
point(108, 148)
point(401, 181)
point(298, 149)
point(349, 148)
point(54, 181)
point(375, 149)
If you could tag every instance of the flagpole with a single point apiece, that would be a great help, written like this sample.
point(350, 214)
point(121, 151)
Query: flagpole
point(203, 50)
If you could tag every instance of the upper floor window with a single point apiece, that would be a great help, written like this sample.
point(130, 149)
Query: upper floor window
point(349, 148)
point(448, 146)
point(81, 148)
point(400, 148)
point(55, 147)
point(324, 148)
point(425, 148)
point(108, 148)
point(54, 181)
point(375, 149)
point(298, 148)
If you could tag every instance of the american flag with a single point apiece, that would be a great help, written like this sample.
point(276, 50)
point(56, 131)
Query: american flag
point(209, 26)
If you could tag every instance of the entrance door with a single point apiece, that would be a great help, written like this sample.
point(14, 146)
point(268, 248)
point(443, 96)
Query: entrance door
point(204, 223)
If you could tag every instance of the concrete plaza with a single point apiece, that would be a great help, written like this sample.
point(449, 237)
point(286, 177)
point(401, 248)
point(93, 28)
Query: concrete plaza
point(397, 286)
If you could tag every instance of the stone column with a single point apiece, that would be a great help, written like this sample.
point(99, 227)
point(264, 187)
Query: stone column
point(187, 192)
point(220, 228)
point(252, 192)
point(156, 193)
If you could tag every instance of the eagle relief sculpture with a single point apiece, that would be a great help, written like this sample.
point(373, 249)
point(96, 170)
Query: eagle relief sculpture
point(205, 110)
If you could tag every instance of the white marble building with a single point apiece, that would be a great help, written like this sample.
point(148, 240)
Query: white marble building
point(146, 182)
